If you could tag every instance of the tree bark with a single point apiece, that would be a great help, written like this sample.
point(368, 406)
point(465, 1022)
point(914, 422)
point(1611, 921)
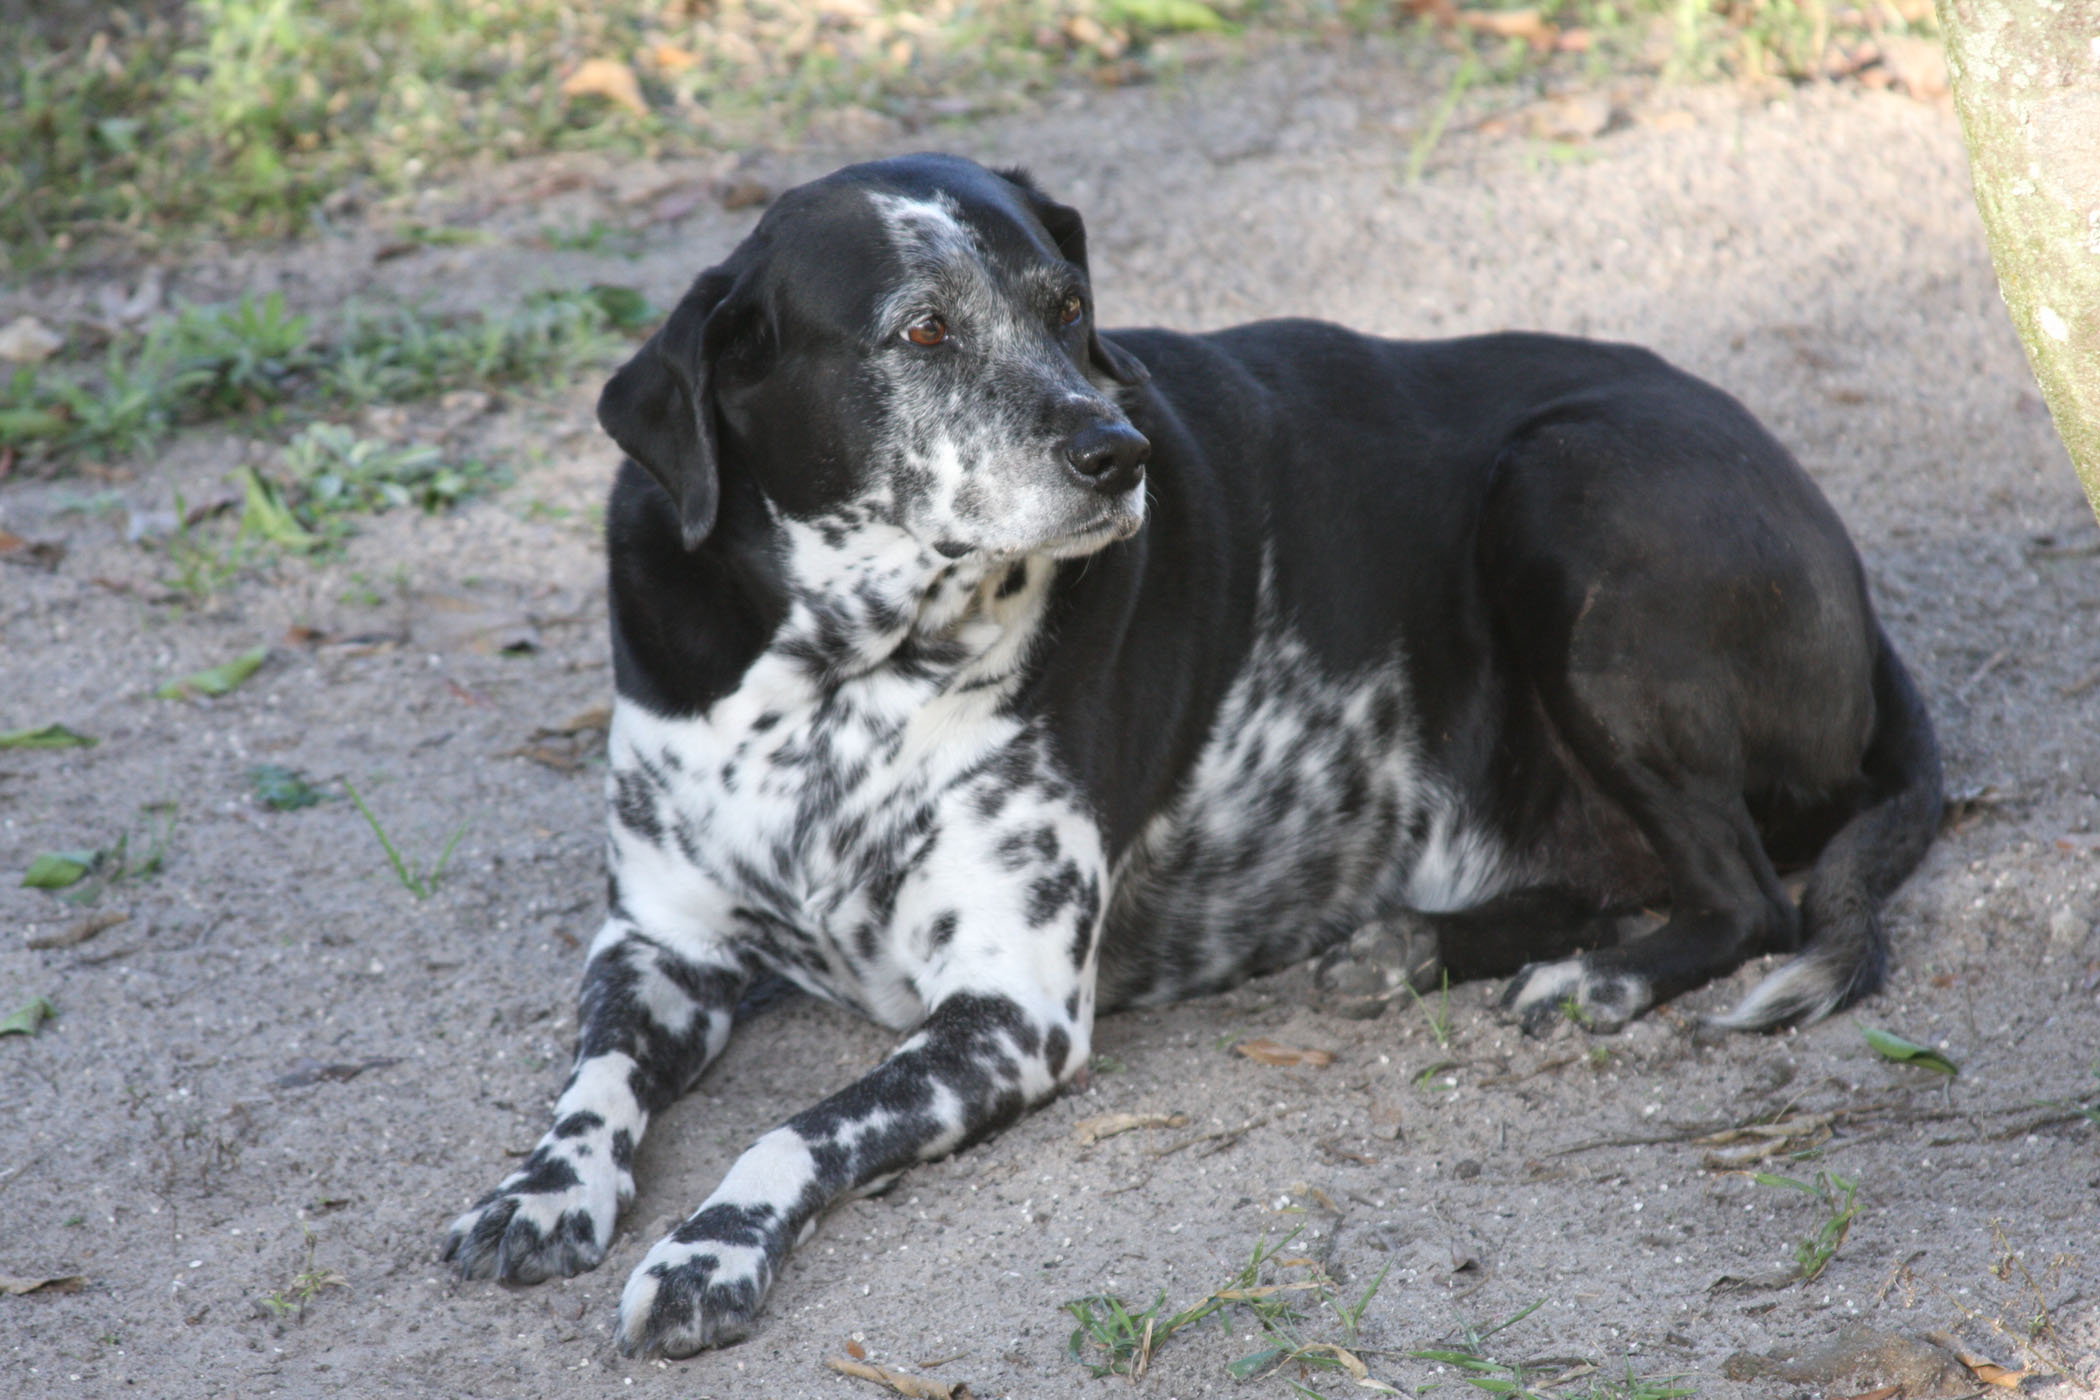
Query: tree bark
point(2026, 78)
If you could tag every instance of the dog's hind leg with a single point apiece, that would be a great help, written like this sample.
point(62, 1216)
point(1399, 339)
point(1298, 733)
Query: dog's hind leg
point(1693, 622)
point(651, 1017)
point(1408, 951)
point(1726, 903)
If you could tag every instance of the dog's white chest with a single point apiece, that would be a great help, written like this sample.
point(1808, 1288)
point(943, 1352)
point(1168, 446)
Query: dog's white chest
point(786, 816)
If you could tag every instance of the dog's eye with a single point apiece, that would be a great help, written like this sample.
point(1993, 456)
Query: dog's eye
point(932, 330)
point(1072, 309)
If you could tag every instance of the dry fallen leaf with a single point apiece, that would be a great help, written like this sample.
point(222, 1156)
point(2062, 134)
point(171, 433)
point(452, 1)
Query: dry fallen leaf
point(39, 554)
point(673, 59)
point(68, 1283)
point(856, 1350)
point(597, 717)
point(903, 1382)
point(1268, 1052)
point(1511, 24)
point(1092, 1130)
point(607, 78)
point(80, 930)
point(1991, 1373)
point(26, 340)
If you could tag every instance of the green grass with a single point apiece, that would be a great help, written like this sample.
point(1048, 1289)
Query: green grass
point(1839, 1198)
point(1488, 1368)
point(254, 360)
point(415, 877)
point(309, 1283)
point(1440, 1024)
point(246, 116)
point(1282, 1297)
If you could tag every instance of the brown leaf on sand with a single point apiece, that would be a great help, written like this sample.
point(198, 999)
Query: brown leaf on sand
point(607, 78)
point(80, 930)
point(597, 719)
point(38, 554)
point(1268, 1052)
point(902, 1382)
point(68, 1283)
point(1991, 1373)
point(856, 1350)
point(1512, 24)
point(673, 59)
point(1092, 1130)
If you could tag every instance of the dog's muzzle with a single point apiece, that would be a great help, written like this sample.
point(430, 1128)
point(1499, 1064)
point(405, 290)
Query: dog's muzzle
point(1108, 457)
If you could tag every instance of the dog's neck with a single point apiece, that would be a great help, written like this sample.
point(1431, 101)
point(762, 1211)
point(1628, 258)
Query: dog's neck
point(864, 594)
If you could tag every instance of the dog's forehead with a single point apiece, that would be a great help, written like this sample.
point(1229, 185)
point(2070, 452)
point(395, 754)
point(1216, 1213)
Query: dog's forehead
point(914, 218)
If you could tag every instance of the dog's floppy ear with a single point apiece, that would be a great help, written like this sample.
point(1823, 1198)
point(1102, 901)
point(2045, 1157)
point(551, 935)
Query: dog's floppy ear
point(1068, 231)
point(660, 408)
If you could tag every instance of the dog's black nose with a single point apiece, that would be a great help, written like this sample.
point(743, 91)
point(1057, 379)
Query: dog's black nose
point(1111, 456)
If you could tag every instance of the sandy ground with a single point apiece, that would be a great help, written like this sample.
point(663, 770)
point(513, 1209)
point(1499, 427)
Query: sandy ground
point(286, 1065)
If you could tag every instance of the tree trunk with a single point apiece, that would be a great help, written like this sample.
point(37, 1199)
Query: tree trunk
point(2026, 76)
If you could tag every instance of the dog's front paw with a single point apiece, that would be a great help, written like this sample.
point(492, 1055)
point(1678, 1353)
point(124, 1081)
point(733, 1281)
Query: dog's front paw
point(1378, 963)
point(1594, 998)
point(693, 1290)
point(553, 1217)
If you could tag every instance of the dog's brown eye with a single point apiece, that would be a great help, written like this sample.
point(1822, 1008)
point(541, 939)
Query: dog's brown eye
point(1072, 308)
point(931, 331)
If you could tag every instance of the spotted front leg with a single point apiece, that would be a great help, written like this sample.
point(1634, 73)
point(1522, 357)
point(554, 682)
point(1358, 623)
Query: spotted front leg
point(975, 1064)
point(650, 1020)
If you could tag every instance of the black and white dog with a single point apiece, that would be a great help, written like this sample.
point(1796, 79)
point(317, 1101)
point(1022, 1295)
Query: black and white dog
point(980, 670)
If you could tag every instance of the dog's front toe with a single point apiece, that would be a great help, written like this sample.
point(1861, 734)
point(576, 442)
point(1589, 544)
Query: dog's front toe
point(1598, 999)
point(1378, 964)
point(684, 1298)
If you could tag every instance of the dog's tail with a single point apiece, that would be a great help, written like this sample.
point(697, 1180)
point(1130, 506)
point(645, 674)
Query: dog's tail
point(1845, 954)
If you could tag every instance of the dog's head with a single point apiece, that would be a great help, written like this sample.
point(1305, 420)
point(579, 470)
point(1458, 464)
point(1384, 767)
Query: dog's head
point(909, 341)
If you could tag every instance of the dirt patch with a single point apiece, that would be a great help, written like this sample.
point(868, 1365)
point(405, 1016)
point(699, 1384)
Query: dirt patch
point(269, 1088)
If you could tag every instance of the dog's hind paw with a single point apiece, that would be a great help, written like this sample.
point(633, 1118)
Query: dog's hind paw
point(1594, 998)
point(1378, 964)
point(685, 1297)
point(551, 1218)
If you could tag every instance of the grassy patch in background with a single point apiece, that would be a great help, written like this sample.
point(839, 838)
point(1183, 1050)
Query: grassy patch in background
point(205, 363)
point(244, 116)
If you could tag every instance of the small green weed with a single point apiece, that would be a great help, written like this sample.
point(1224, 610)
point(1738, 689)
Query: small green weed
point(1427, 1081)
point(306, 1285)
point(334, 471)
point(86, 875)
point(1440, 1019)
point(1839, 1197)
point(1426, 140)
point(415, 878)
point(283, 789)
point(1113, 1340)
point(201, 565)
point(1531, 1379)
